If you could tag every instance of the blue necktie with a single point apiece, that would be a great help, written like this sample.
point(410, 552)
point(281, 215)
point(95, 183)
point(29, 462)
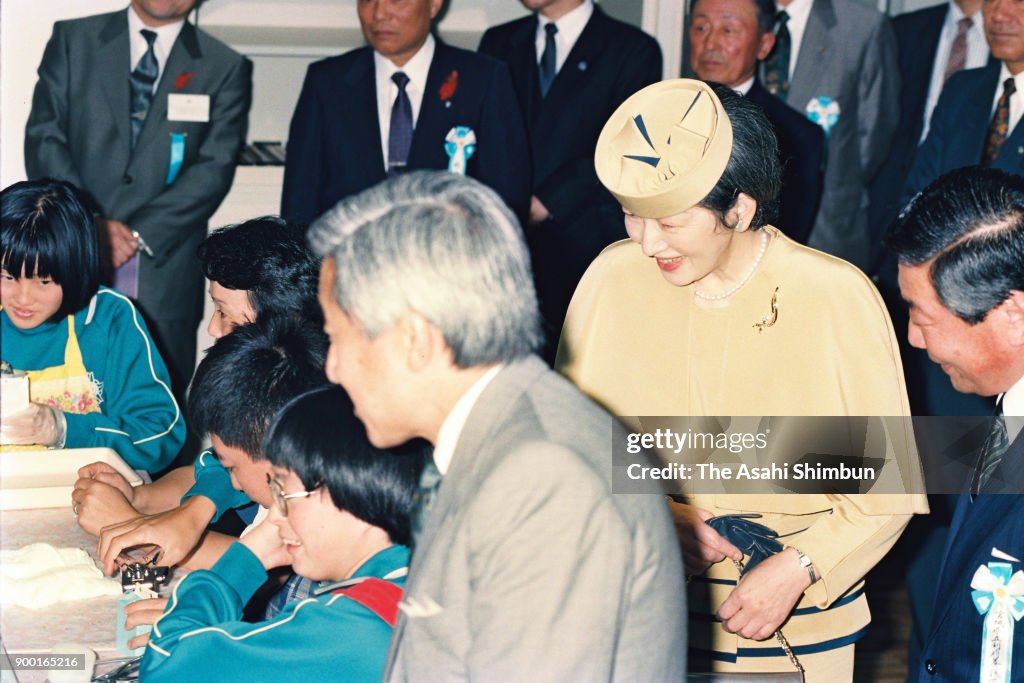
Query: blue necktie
point(141, 83)
point(546, 68)
point(400, 133)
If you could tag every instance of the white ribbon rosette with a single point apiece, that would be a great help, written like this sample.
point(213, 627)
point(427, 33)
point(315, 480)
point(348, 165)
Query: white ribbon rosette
point(460, 145)
point(998, 595)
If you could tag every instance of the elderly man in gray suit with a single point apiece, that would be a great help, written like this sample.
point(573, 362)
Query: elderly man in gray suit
point(527, 566)
point(835, 61)
point(147, 114)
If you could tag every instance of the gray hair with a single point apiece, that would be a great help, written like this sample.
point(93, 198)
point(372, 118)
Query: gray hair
point(443, 245)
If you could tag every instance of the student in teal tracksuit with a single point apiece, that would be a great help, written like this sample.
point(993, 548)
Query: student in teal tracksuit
point(95, 376)
point(340, 513)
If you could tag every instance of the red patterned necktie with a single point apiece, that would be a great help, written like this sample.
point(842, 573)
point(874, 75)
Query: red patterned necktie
point(958, 53)
point(997, 130)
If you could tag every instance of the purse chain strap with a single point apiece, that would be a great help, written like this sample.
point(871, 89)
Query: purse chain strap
point(778, 634)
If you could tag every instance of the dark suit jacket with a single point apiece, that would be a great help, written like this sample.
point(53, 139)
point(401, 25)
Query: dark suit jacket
point(917, 35)
point(334, 145)
point(802, 153)
point(79, 131)
point(992, 520)
point(958, 129)
point(529, 568)
point(610, 61)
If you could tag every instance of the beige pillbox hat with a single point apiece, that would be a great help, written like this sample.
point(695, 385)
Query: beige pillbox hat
point(664, 148)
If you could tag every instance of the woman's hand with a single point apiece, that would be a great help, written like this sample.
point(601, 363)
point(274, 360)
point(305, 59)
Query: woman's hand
point(265, 542)
point(38, 424)
point(702, 546)
point(142, 612)
point(765, 596)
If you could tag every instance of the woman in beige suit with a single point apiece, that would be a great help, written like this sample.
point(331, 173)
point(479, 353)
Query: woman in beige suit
point(733, 318)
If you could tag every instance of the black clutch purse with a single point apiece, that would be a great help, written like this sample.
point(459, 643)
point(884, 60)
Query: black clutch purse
point(757, 542)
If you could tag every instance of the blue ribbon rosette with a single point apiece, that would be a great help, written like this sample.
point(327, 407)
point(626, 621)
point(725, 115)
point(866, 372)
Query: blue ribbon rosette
point(824, 111)
point(460, 145)
point(998, 595)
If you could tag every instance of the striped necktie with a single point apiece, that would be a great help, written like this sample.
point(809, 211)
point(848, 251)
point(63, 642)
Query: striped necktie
point(141, 83)
point(992, 452)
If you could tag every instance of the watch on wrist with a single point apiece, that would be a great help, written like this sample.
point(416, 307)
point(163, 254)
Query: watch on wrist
point(807, 564)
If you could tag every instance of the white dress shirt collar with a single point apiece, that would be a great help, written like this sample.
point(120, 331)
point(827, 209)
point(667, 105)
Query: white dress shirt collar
point(570, 27)
point(1016, 100)
point(744, 87)
point(799, 12)
point(417, 69)
point(451, 428)
point(1013, 409)
point(165, 37)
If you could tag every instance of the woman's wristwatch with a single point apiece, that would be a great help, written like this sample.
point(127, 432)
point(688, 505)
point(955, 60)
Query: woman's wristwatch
point(807, 564)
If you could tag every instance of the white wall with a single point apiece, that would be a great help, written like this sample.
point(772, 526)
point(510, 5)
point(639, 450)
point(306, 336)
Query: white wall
point(24, 29)
point(281, 36)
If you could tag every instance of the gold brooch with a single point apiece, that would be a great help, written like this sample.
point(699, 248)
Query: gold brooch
point(769, 320)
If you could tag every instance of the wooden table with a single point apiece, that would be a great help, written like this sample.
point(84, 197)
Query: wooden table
point(87, 622)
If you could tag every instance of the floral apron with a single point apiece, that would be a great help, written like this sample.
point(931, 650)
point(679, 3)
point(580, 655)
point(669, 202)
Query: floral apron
point(66, 387)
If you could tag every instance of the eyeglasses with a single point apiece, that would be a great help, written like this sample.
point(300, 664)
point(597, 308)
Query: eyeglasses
point(280, 497)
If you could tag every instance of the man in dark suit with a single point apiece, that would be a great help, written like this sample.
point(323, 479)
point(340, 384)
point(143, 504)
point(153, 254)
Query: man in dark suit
point(594, 64)
point(727, 38)
point(147, 114)
point(974, 122)
point(975, 119)
point(934, 43)
point(527, 565)
point(354, 125)
point(961, 273)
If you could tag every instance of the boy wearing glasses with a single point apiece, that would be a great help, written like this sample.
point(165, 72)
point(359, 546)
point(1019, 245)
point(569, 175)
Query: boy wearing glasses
point(238, 388)
point(340, 513)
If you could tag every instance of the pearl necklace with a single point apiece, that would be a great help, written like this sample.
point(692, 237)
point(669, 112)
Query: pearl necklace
point(739, 285)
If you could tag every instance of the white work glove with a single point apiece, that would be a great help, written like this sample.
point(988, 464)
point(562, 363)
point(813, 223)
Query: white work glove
point(37, 424)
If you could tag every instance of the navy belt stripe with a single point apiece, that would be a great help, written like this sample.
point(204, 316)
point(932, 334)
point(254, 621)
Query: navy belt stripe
point(810, 649)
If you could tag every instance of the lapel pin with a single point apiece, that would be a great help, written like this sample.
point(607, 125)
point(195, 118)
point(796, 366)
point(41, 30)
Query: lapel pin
point(582, 66)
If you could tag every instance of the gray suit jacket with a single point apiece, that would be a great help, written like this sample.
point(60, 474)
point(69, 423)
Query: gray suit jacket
point(849, 54)
point(79, 131)
point(529, 568)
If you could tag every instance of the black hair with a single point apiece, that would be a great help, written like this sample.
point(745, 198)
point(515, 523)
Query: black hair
point(248, 375)
point(753, 167)
point(270, 259)
point(764, 11)
point(970, 224)
point(48, 231)
point(318, 437)
point(765, 15)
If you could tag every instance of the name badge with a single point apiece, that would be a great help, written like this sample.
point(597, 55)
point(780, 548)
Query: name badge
point(188, 108)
